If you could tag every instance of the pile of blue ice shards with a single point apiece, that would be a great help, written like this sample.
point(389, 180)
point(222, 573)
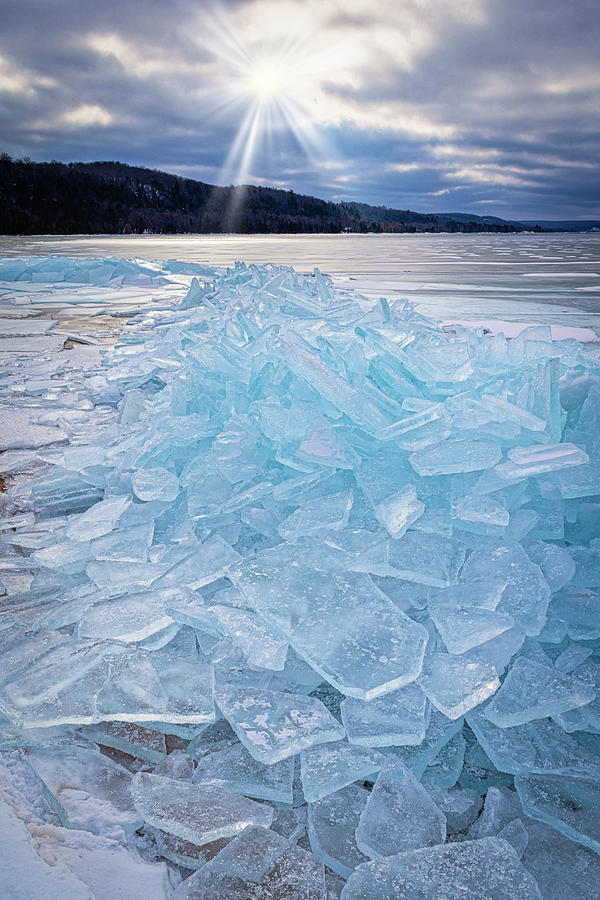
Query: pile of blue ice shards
point(308, 608)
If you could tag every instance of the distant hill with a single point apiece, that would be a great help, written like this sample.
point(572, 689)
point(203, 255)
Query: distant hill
point(579, 225)
point(470, 217)
point(114, 198)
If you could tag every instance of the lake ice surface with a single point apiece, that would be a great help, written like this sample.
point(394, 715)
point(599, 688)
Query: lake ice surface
point(550, 279)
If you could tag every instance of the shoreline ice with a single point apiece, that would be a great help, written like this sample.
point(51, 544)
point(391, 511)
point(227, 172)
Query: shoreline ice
point(281, 543)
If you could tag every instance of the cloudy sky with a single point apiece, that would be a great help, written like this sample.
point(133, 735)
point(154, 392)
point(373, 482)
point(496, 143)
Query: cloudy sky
point(486, 106)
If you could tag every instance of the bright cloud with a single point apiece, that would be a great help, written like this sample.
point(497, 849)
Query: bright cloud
point(87, 115)
point(16, 80)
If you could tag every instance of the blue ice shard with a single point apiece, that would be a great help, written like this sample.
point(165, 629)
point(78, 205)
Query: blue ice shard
point(130, 618)
point(234, 769)
point(456, 455)
point(99, 519)
point(555, 862)
point(439, 731)
point(343, 626)
point(425, 558)
point(398, 718)
point(194, 812)
point(155, 483)
point(571, 805)
point(540, 747)
point(263, 646)
point(399, 815)
point(584, 718)
point(461, 806)
point(332, 823)
point(445, 769)
point(273, 725)
point(525, 462)
point(86, 682)
point(526, 595)
point(329, 767)
point(532, 690)
point(257, 864)
point(399, 511)
point(321, 514)
point(456, 684)
point(135, 740)
point(86, 789)
point(454, 870)
point(462, 629)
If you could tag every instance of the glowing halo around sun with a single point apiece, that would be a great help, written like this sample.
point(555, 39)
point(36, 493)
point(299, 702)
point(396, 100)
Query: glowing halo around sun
point(266, 79)
point(270, 87)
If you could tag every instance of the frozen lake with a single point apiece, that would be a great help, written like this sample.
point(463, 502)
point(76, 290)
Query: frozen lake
point(552, 279)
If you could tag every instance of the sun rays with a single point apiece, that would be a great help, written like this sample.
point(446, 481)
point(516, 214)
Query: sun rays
point(269, 85)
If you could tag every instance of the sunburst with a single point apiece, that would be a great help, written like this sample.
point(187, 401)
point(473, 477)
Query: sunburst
point(271, 86)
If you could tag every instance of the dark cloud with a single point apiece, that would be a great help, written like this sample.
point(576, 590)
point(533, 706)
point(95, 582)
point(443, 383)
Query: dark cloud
point(440, 105)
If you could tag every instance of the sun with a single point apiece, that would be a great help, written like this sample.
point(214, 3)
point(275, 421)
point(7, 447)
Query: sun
point(266, 80)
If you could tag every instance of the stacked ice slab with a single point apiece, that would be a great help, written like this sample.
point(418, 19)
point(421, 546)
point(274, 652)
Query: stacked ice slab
point(311, 607)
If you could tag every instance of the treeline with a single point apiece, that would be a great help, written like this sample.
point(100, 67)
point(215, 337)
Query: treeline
point(114, 198)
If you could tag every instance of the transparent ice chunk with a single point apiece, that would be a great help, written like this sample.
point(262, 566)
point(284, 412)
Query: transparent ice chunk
point(260, 865)
point(501, 807)
point(398, 718)
point(516, 835)
point(130, 618)
point(84, 682)
point(456, 684)
point(525, 462)
point(273, 725)
point(99, 519)
point(132, 739)
point(444, 770)
point(555, 562)
point(440, 730)
point(262, 645)
point(584, 718)
point(185, 853)
point(155, 483)
point(234, 769)
point(87, 789)
point(571, 805)
point(296, 873)
point(526, 595)
point(425, 558)
point(452, 871)
point(399, 511)
point(343, 626)
point(399, 815)
point(332, 822)
point(557, 863)
point(320, 514)
point(462, 629)
point(250, 855)
point(456, 455)
point(124, 544)
point(194, 812)
point(461, 806)
point(532, 690)
point(537, 747)
point(330, 767)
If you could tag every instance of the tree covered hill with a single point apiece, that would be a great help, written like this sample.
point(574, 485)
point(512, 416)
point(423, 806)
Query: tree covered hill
point(114, 198)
